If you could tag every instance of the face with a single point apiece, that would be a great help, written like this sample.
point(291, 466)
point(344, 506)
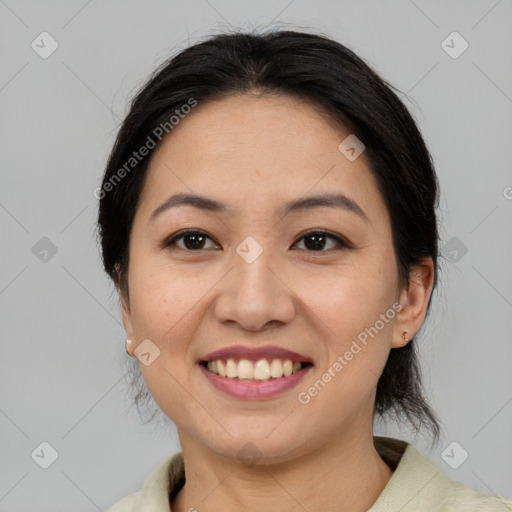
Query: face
point(312, 280)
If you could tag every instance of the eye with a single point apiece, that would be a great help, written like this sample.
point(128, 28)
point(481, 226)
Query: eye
point(193, 240)
point(316, 241)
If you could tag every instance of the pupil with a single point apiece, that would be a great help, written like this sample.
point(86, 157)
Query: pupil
point(318, 241)
point(195, 244)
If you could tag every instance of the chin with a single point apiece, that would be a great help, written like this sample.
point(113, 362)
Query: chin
point(259, 451)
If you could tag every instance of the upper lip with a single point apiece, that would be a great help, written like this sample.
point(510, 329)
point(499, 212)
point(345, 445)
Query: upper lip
point(255, 353)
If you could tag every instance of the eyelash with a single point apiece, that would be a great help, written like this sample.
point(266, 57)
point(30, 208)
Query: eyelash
point(342, 244)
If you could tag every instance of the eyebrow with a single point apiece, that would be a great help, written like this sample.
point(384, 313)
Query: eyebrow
point(297, 205)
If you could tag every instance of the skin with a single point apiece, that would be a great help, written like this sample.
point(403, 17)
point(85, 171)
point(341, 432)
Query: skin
point(255, 152)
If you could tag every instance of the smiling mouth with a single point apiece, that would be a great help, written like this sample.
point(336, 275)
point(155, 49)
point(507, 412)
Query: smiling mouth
point(261, 370)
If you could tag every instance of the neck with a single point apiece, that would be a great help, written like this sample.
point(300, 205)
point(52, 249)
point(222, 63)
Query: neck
point(343, 475)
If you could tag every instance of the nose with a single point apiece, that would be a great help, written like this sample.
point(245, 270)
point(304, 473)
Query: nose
point(254, 294)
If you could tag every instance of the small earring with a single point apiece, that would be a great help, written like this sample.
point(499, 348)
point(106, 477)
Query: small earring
point(126, 346)
point(404, 336)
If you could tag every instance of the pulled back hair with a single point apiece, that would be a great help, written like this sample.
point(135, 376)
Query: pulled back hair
point(332, 77)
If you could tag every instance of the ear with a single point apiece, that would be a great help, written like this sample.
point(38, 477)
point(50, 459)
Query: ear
point(127, 322)
point(125, 310)
point(414, 299)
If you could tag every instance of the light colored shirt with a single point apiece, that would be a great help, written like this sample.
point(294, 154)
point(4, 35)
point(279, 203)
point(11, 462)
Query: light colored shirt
point(417, 485)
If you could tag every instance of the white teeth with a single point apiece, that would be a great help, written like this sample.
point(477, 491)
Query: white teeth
point(231, 369)
point(258, 370)
point(262, 370)
point(276, 369)
point(212, 366)
point(245, 369)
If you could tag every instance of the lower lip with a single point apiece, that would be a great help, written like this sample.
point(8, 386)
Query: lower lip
point(253, 388)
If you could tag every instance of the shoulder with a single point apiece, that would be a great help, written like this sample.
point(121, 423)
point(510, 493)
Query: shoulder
point(418, 485)
point(125, 504)
point(166, 479)
point(458, 497)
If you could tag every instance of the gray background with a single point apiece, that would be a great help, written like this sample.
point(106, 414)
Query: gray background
point(62, 341)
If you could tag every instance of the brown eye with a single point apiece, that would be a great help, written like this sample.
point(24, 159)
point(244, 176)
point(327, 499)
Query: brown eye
point(317, 240)
point(193, 240)
point(314, 241)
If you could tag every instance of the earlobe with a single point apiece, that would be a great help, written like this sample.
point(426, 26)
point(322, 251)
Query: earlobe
point(414, 300)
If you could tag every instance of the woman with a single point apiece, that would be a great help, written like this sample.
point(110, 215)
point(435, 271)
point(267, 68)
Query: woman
point(268, 217)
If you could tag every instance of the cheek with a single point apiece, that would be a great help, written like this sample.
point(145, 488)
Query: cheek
point(159, 298)
point(162, 309)
point(357, 325)
point(355, 317)
point(349, 297)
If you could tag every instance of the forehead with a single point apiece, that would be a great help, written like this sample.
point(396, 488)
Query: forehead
point(259, 151)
